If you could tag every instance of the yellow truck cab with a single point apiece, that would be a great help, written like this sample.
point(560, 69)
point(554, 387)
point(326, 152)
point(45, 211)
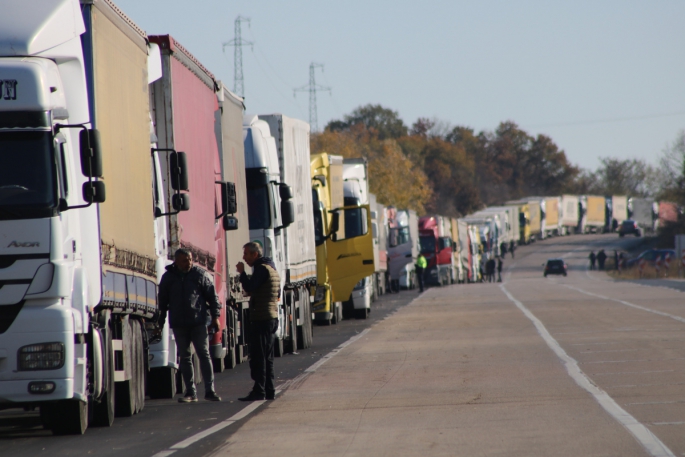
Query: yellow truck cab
point(343, 238)
point(524, 220)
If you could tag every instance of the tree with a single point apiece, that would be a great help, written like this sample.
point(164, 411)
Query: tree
point(672, 173)
point(382, 122)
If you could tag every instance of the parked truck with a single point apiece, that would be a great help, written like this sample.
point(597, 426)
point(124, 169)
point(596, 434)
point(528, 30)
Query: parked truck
point(436, 246)
point(619, 211)
point(356, 192)
point(523, 209)
point(645, 212)
point(81, 268)
point(380, 247)
point(344, 240)
point(594, 217)
point(569, 214)
point(280, 206)
point(403, 248)
point(185, 106)
point(552, 219)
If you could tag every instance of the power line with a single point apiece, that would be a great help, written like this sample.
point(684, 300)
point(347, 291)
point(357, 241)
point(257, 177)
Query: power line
point(237, 42)
point(312, 88)
point(608, 121)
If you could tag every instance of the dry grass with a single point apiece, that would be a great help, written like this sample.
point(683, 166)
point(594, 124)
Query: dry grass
point(649, 272)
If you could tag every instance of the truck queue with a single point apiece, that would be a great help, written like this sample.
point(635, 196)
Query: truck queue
point(108, 174)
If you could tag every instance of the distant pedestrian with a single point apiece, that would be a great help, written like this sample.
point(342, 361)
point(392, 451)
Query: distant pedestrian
point(499, 269)
point(421, 264)
point(592, 258)
point(512, 248)
point(601, 258)
point(264, 287)
point(490, 270)
point(187, 293)
point(503, 249)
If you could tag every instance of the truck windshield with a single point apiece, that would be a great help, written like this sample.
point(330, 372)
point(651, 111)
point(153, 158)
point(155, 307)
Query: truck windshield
point(427, 243)
point(258, 208)
point(27, 174)
point(355, 222)
point(398, 236)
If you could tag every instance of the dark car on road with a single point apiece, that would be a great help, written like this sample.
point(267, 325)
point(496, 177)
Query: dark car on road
point(651, 255)
point(629, 227)
point(555, 267)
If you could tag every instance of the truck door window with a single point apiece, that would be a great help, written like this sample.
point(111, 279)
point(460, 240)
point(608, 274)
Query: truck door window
point(27, 174)
point(353, 223)
point(319, 236)
point(427, 243)
point(62, 167)
point(258, 208)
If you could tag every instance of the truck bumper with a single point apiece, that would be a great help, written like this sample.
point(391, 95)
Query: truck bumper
point(17, 392)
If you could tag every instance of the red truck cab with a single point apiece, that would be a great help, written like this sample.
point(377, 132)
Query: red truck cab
point(437, 249)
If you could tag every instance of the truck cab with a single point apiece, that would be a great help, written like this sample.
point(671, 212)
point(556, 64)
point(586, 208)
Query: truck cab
point(437, 248)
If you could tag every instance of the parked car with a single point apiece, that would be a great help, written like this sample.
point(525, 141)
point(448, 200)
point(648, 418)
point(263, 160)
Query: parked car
point(555, 267)
point(629, 227)
point(651, 255)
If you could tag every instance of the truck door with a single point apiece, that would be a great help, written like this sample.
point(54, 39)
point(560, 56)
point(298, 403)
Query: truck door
point(349, 249)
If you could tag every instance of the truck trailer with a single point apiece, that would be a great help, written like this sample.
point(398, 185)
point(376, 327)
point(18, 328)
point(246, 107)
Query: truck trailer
point(569, 214)
point(380, 247)
point(645, 212)
point(594, 217)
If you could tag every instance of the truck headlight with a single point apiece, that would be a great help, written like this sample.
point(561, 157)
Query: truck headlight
point(44, 356)
point(320, 293)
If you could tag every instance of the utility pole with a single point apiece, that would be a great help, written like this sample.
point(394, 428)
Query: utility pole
point(313, 88)
point(237, 42)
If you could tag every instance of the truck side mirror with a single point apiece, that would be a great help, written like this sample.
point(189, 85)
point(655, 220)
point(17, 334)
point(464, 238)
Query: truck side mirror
point(230, 223)
point(91, 153)
point(287, 213)
point(178, 170)
point(231, 205)
point(335, 224)
point(94, 191)
point(180, 202)
point(285, 191)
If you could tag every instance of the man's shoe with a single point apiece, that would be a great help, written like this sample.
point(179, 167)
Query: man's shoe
point(270, 396)
point(253, 397)
point(212, 396)
point(188, 399)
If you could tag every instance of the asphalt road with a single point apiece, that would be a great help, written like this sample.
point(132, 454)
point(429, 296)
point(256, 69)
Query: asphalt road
point(568, 366)
point(165, 422)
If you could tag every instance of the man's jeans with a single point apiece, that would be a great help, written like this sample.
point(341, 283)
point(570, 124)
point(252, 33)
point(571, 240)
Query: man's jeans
point(261, 346)
point(198, 336)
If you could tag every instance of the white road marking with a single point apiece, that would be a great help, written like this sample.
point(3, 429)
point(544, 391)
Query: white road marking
point(613, 350)
point(634, 360)
point(657, 402)
point(668, 423)
point(642, 434)
point(626, 303)
point(588, 344)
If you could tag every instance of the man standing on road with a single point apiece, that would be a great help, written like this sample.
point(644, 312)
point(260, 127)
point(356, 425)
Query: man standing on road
point(592, 258)
point(512, 248)
point(601, 258)
point(499, 269)
point(421, 264)
point(187, 293)
point(264, 288)
point(503, 248)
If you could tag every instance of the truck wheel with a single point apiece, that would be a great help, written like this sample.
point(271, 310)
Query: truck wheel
point(239, 354)
point(125, 391)
point(278, 347)
point(103, 411)
point(292, 342)
point(162, 383)
point(68, 417)
point(218, 365)
point(305, 331)
point(361, 313)
point(141, 371)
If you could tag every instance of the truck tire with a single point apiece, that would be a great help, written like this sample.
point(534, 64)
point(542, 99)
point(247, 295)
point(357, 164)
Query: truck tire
point(103, 411)
point(68, 417)
point(218, 365)
point(278, 347)
point(141, 357)
point(162, 383)
point(239, 353)
point(361, 313)
point(306, 331)
point(292, 341)
point(125, 391)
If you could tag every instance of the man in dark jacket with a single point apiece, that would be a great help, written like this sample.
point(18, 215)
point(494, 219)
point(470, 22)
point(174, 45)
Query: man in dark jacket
point(187, 293)
point(264, 287)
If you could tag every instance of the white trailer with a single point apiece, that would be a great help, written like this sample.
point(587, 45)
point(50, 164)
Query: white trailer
point(569, 214)
point(380, 241)
point(403, 247)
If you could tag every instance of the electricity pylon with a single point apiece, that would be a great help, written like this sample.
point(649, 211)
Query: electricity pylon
point(237, 42)
point(313, 88)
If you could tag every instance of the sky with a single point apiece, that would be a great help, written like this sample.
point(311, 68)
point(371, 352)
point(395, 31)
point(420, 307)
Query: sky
point(602, 78)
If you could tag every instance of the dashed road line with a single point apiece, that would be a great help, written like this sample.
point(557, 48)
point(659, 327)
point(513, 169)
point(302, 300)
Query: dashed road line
point(642, 434)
